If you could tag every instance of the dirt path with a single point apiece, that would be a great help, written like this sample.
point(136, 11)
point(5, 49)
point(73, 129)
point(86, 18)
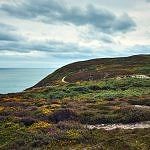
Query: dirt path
point(140, 125)
point(142, 106)
point(63, 80)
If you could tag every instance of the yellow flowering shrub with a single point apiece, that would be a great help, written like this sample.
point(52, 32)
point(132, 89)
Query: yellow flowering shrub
point(39, 125)
point(73, 134)
point(45, 110)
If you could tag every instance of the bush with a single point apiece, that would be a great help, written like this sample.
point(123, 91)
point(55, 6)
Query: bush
point(99, 119)
point(56, 95)
point(81, 89)
point(132, 115)
point(27, 121)
point(2, 118)
point(94, 87)
point(63, 114)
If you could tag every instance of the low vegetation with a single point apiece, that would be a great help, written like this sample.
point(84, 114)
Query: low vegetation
point(55, 117)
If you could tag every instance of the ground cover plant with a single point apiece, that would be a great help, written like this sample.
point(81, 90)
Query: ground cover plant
point(54, 117)
point(55, 114)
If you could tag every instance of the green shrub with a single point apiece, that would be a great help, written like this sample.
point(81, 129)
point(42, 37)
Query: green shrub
point(81, 89)
point(132, 115)
point(56, 95)
point(109, 95)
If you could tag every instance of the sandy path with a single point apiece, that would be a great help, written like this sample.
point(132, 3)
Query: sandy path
point(140, 125)
point(142, 106)
point(63, 80)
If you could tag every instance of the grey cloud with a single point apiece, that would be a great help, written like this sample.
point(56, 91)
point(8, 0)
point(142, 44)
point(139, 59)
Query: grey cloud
point(51, 46)
point(107, 39)
point(7, 27)
point(91, 34)
point(124, 24)
point(7, 33)
point(6, 36)
point(56, 50)
point(63, 51)
point(56, 12)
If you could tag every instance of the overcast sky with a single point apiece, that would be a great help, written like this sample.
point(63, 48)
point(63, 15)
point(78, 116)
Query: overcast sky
point(52, 33)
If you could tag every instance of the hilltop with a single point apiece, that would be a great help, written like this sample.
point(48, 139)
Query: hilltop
point(97, 69)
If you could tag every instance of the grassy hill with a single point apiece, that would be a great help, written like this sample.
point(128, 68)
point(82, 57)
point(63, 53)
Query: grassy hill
point(57, 116)
point(97, 69)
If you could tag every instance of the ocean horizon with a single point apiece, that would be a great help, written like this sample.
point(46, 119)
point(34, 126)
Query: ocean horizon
point(18, 79)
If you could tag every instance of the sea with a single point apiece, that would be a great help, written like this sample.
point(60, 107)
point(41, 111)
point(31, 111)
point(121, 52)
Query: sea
point(18, 79)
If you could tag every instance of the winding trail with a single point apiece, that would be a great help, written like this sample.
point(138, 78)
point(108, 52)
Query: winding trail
point(140, 125)
point(63, 80)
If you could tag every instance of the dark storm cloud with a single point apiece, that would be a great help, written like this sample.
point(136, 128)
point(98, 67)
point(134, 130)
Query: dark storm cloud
point(56, 12)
